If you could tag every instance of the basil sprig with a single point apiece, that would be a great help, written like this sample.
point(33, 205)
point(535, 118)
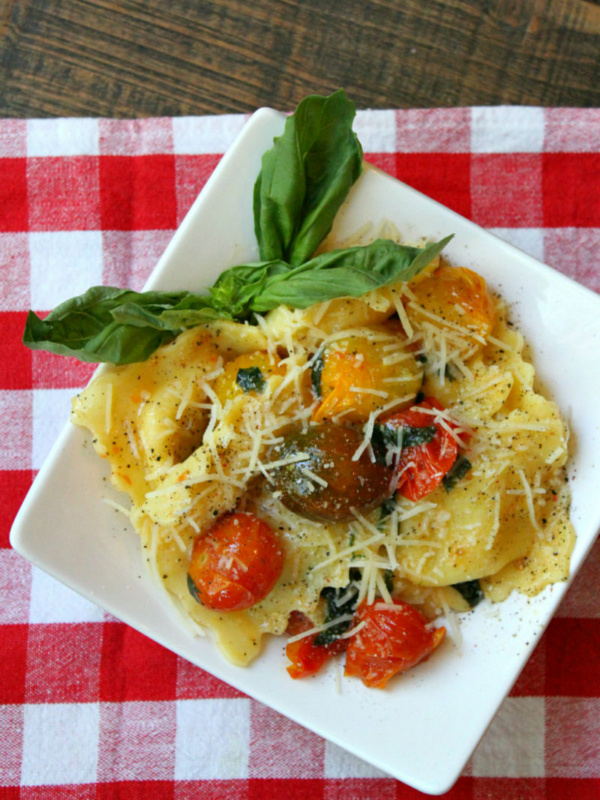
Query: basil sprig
point(116, 325)
point(304, 180)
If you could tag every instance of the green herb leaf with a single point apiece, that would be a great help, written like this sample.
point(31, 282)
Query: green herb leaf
point(193, 589)
point(115, 325)
point(471, 591)
point(305, 178)
point(343, 273)
point(336, 609)
point(386, 437)
point(456, 472)
point(316, 372)
point(250, 379)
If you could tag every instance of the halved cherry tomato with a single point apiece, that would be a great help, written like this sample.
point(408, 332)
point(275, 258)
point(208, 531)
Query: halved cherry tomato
point(307, 657)
point(236, 563)
point(421, 468)
point(394, 639)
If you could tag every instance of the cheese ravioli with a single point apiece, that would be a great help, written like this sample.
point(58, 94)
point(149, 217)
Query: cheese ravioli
point(200, 430)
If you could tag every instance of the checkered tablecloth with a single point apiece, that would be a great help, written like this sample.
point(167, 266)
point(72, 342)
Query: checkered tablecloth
point(90, 708)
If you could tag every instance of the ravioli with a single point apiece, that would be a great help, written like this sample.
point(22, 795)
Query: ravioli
point(187, 443)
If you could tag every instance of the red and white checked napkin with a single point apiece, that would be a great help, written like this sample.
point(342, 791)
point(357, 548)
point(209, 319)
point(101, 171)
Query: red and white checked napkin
point(90, 708)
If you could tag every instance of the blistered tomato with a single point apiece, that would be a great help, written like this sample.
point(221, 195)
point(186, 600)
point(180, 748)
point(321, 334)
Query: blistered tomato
point(420, 468)
point(236, 563)
point(393, 639)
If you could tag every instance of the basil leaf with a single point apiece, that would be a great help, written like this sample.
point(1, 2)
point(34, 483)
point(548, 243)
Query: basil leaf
point(336, 609)
point(471, 591)
point(386, 437)
point(193, 589)
point(305, 178)
point(316, 372)
point(343, 273)
point(250, 379)
point(456, 472)
point(116, 325)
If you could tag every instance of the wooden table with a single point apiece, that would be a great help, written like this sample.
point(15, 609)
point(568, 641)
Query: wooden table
point(135, 58)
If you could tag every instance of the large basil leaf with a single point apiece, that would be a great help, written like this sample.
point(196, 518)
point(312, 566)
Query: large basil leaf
point(305, 178)
point(115, 325)
point(344, 273)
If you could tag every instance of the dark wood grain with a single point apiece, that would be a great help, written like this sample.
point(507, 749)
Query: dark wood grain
point(134, 58)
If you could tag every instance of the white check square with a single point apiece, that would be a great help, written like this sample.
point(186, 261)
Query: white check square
point(213, 739)
point(15, 579)
point(530, 240)
point(62, 137)
point(63, 264)
point(60, 744)
point(515, 129)
point(376, 131)
point(52, 601)
point(51, 410)
point(340, 763)
point(200, 135)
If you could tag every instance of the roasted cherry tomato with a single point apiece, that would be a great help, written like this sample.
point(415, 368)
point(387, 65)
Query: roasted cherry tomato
point(307, 657)
point(394, 639)
point(384, 370)
point(327, 484)
point(236, 563)
point(459, 296)
point(420, 469)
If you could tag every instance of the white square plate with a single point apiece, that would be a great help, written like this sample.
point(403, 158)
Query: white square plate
point(423, 728)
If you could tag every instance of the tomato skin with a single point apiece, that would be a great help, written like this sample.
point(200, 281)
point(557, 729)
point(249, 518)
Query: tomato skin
point(460, 296)
point(350, 484)
point(421, 468)
point(236, 563)
point(307, 657)
point(392, 641)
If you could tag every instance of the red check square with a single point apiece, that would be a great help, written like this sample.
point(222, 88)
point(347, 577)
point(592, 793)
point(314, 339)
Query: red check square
point(274, 789)
point(64, 193)
point(134, 667)
point(63, 663)
point(14, 209)
point(383, 161)
point(212, 790)
point(571, 190)
point(14, 485)
point(445, 177)
point(78, 792)
point(507, 190)
point(137, 790)
point(359, 788)
point(572, 658)
point(578, 789)
point(531, 681)
point(194, 683)
point(13, 646)
point(11, 749)
point(508, 789)
point(138, 192)
point(15, 367)
point(192, 172)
